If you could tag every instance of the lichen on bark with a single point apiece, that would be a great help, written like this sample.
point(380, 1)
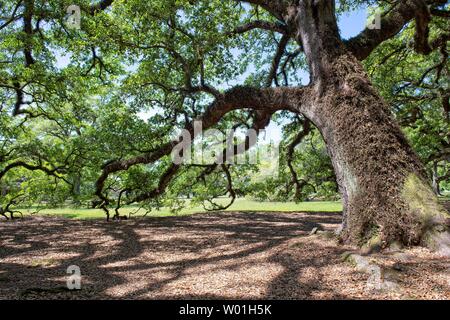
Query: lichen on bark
point(427, 210)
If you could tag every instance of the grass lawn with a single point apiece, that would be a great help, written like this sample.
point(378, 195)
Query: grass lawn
point(239, 205)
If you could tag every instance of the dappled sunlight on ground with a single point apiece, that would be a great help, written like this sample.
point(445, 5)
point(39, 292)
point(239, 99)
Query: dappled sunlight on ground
point(227, 255)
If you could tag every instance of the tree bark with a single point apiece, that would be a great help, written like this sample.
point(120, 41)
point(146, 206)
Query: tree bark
point(384, 185)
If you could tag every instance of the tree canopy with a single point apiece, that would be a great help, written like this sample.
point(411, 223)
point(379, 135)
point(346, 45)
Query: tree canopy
point(90, 115)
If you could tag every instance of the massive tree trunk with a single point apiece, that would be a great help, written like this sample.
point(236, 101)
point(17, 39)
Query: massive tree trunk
point(384, 185)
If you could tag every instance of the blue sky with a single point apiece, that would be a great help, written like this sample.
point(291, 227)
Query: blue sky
point(353, 23)
point(350, 24)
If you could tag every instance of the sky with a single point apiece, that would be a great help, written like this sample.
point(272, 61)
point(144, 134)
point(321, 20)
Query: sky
point(353, 23)
point(350, 24)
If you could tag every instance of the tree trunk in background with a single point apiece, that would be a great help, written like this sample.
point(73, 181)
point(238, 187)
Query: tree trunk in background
point(384, 187)
point(76, 189)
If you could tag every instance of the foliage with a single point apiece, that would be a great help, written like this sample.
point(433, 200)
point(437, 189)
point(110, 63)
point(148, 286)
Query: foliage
point(73, 101)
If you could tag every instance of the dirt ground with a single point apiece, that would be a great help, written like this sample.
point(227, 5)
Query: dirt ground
point(228, 255)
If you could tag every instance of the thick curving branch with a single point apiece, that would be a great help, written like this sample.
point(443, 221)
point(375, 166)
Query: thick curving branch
point(276, 61)
point(262, 119)
point(14, 16)
point(423, 19)
point(440, 13)
point(267, 100)
point(230, 190)
point(391, 24)
point(276, 8)
point(28, 30)
point(259, 24)
point(7, 209)
point(101, 6)
point(22, 164)
point(164, 181)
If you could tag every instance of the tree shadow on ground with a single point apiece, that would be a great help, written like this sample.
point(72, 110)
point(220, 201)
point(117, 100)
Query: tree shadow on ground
point(230, 255)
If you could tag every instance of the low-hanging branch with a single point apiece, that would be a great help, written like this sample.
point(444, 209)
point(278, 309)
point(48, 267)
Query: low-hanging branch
point(100, 6)
point(391, 24)
point(423, 19)
point(230, 190)
point(32, 167)
point(261, 120)
point(7, 208)
point(263, 25)
point(265, 99)
point(276, 61)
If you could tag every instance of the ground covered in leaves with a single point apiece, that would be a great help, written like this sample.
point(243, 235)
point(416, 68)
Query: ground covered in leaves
point(229, 255)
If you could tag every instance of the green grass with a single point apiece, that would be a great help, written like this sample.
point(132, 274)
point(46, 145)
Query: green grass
point(239, 205)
